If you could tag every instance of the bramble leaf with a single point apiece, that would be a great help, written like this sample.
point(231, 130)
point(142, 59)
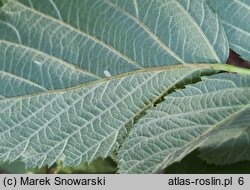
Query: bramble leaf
point(47, 45)
point(80, 124)
point(59, 99)
point(234, 17)
point(185, 120)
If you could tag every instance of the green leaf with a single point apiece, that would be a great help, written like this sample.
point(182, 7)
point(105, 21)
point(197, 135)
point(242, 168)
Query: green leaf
point(82, 123)
point(16, 167)
point(47, 45)
point(99, 166)
point(230, 145)
point(234, 16)
point(184, 121)
point(57, 100)
point(192, 164)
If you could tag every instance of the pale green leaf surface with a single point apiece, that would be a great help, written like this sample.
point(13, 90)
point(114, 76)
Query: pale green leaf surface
point(80, 124)
point(131, 26)
point(25, 71)
point(185, 120)
point(230, 145)
point(54, 44)
point(234, 15)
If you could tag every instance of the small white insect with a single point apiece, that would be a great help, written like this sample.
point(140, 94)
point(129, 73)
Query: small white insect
point(107, 73)
point(38, 62)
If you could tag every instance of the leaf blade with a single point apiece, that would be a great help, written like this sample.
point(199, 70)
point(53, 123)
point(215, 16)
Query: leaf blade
point(81, 46)
point(183, 122)
point(103, 36)
point(233, 145)
point(82, 123)
point(233, 17)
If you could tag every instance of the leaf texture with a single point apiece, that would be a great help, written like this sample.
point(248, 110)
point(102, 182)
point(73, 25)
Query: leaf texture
point(234, 16)
point(55, 44)
point(230, 145)
point(185, 120)
point(80, 124)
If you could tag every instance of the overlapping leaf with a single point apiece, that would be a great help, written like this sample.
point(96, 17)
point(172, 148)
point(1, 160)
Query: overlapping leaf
point(234, 16)
point(230, 145)
point(187, 118)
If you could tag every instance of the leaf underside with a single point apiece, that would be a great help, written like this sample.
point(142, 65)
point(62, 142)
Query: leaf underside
point(57, 101)
point(234, 15)
point(230, 145)
point(46, 46)
point(217, 106)
point(83, 123)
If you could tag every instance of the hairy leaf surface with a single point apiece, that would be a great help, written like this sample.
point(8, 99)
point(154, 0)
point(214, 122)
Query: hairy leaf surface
point(80, 124)
point(50, 47)
point(55, 44)
point(235, 15)
point(185, 120)
point(230, 145)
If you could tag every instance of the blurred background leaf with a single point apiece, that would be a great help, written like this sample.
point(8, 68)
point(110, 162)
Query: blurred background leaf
point(192, 164)
point(17, 167)
point(99, 166)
